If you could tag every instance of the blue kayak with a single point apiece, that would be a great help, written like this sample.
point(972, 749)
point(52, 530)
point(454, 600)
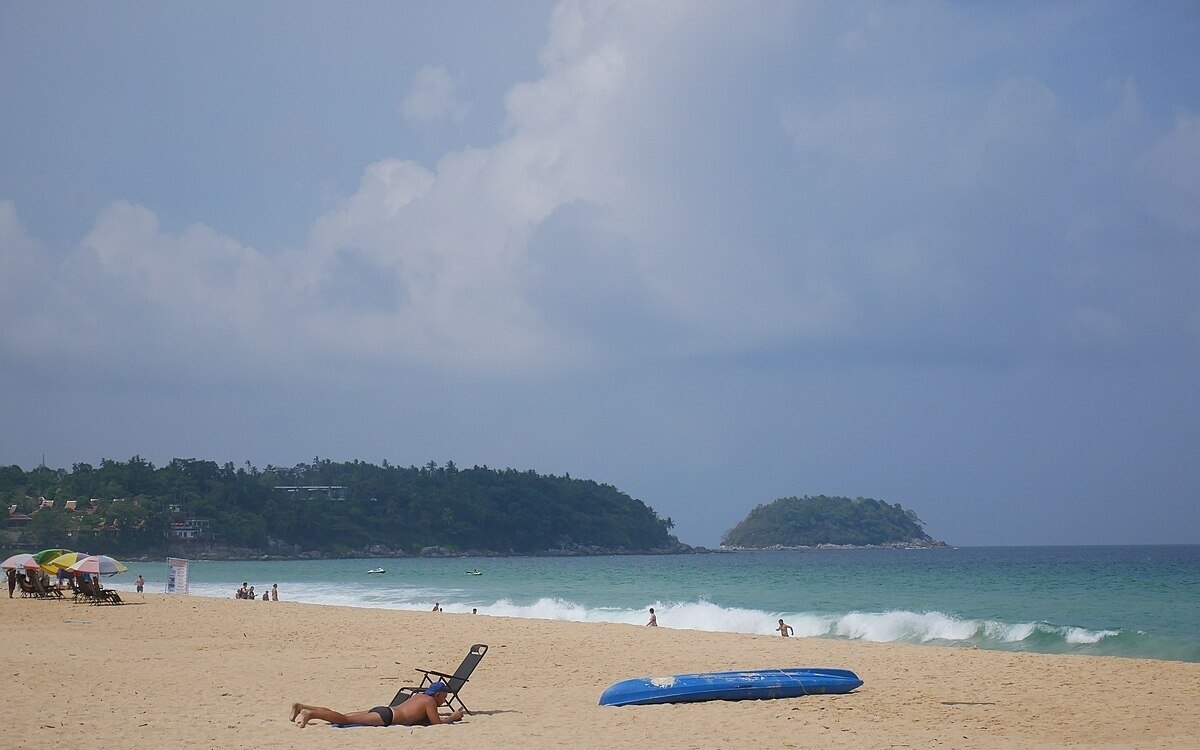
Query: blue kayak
point(757, 684)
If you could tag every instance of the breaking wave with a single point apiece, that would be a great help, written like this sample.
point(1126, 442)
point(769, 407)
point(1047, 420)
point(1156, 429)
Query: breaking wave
point(896, 626)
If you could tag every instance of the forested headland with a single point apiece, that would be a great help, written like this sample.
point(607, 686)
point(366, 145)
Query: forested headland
point(829, 521)
point(323, 508)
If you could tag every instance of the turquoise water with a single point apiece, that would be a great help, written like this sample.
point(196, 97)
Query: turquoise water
point(1126, 601)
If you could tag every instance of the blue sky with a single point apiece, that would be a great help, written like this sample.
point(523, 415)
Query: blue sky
point(940, 254)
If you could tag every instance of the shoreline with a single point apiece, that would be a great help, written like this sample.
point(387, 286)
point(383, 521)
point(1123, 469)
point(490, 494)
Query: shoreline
point(239, 666)
point(698, 550)
point(817, 605)
point(487, 554)
point(126, 587)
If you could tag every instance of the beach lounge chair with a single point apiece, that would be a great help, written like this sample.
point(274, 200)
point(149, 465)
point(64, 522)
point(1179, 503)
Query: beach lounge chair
point(107, 596)
point(87, 591)
point(27, 588)
point(454, 682)
point(45, 590)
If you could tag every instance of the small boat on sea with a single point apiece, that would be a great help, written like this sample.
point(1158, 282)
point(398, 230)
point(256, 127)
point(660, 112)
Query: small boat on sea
point(757, 684)
point(376, 570)
point(475, 572)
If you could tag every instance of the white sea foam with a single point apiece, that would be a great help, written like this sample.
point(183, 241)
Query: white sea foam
point(1005, 633)
point(1081, 635)
point(919, 627)
point(880, 627)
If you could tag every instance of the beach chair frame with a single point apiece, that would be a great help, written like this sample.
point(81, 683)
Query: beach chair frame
point(27, 586)
point(454, 682)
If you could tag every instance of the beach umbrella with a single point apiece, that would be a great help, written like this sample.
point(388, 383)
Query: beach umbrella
point(65, 560)
point(98, 565)
point(18, 562)
point(47, 555)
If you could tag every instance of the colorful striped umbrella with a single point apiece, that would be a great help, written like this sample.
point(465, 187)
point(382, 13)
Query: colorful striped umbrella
point(98, 565)
point(65, 560)
point(17, 562)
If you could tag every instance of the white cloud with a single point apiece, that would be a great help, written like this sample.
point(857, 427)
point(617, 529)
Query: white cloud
point(1021, 109)
point(433, 98)
point(30, 295)
point(1173, 175)
point(646, 154)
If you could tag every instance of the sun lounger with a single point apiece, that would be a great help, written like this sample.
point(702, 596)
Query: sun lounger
point(88, 592)
point(27, 588)
point(454, 682)
point(45, 590)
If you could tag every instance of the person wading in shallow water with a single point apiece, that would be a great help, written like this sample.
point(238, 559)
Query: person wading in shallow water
point(421, 708)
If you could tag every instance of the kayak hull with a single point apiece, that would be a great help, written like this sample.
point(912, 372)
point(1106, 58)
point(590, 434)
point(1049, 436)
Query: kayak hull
point(757, 684)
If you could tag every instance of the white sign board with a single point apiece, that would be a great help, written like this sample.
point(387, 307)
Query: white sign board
point(177, 575)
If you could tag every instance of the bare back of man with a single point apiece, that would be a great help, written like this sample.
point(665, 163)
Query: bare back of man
point(419, 709)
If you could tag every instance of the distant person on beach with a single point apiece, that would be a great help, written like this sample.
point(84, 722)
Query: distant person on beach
point(474, 610)
point(274, 592)
point(784, 629)
point(250, 594)
point(140, 583)
point(266, 596)
point(437, 606)
point(241, 593)
point(653, 620)
point(12, 582)
point(421, 708)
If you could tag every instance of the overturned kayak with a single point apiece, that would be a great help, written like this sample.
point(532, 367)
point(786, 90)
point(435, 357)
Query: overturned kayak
point(757, 684)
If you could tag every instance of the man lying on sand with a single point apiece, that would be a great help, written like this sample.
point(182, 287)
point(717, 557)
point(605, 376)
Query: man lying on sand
point(419, 709)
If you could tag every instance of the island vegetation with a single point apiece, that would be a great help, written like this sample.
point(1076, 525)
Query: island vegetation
point(321, 509)
point(792, 522)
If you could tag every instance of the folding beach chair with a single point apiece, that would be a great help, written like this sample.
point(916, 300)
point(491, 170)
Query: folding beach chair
point(88, 591)
point(107, 596)
point(46, 590)
point(454, 682)
point(27, 587)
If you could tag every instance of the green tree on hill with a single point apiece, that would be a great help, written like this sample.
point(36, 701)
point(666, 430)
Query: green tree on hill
point(402, 509)
point(812, 521)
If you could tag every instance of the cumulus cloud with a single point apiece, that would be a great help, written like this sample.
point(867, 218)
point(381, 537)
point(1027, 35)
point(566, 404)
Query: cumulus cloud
point(677, 177)
point(432, 98)
point(1173, 173)
point(30, 293)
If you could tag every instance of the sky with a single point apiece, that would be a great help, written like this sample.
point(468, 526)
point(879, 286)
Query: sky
point(942, 254)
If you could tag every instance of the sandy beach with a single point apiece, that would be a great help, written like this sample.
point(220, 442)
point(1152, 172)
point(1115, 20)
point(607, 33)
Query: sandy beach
point(190, 672)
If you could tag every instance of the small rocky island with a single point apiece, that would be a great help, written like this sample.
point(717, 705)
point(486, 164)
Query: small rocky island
point(828, 522)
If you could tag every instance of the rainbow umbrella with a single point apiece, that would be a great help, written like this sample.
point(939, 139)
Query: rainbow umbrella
point(65, 560)
point(21, 561)
point(102, 565)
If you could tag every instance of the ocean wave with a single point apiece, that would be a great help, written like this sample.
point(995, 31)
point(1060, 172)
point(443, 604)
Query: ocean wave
point(893, 626)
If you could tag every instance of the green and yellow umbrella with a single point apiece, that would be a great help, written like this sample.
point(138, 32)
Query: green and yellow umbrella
point(46, 555)
point(65, 560)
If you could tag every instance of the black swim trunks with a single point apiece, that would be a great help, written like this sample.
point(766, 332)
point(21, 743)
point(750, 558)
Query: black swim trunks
point(385, 713)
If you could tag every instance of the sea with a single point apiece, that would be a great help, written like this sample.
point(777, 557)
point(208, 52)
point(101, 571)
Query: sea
point(1129, 601)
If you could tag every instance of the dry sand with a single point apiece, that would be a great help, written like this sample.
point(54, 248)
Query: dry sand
point(189, 672)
